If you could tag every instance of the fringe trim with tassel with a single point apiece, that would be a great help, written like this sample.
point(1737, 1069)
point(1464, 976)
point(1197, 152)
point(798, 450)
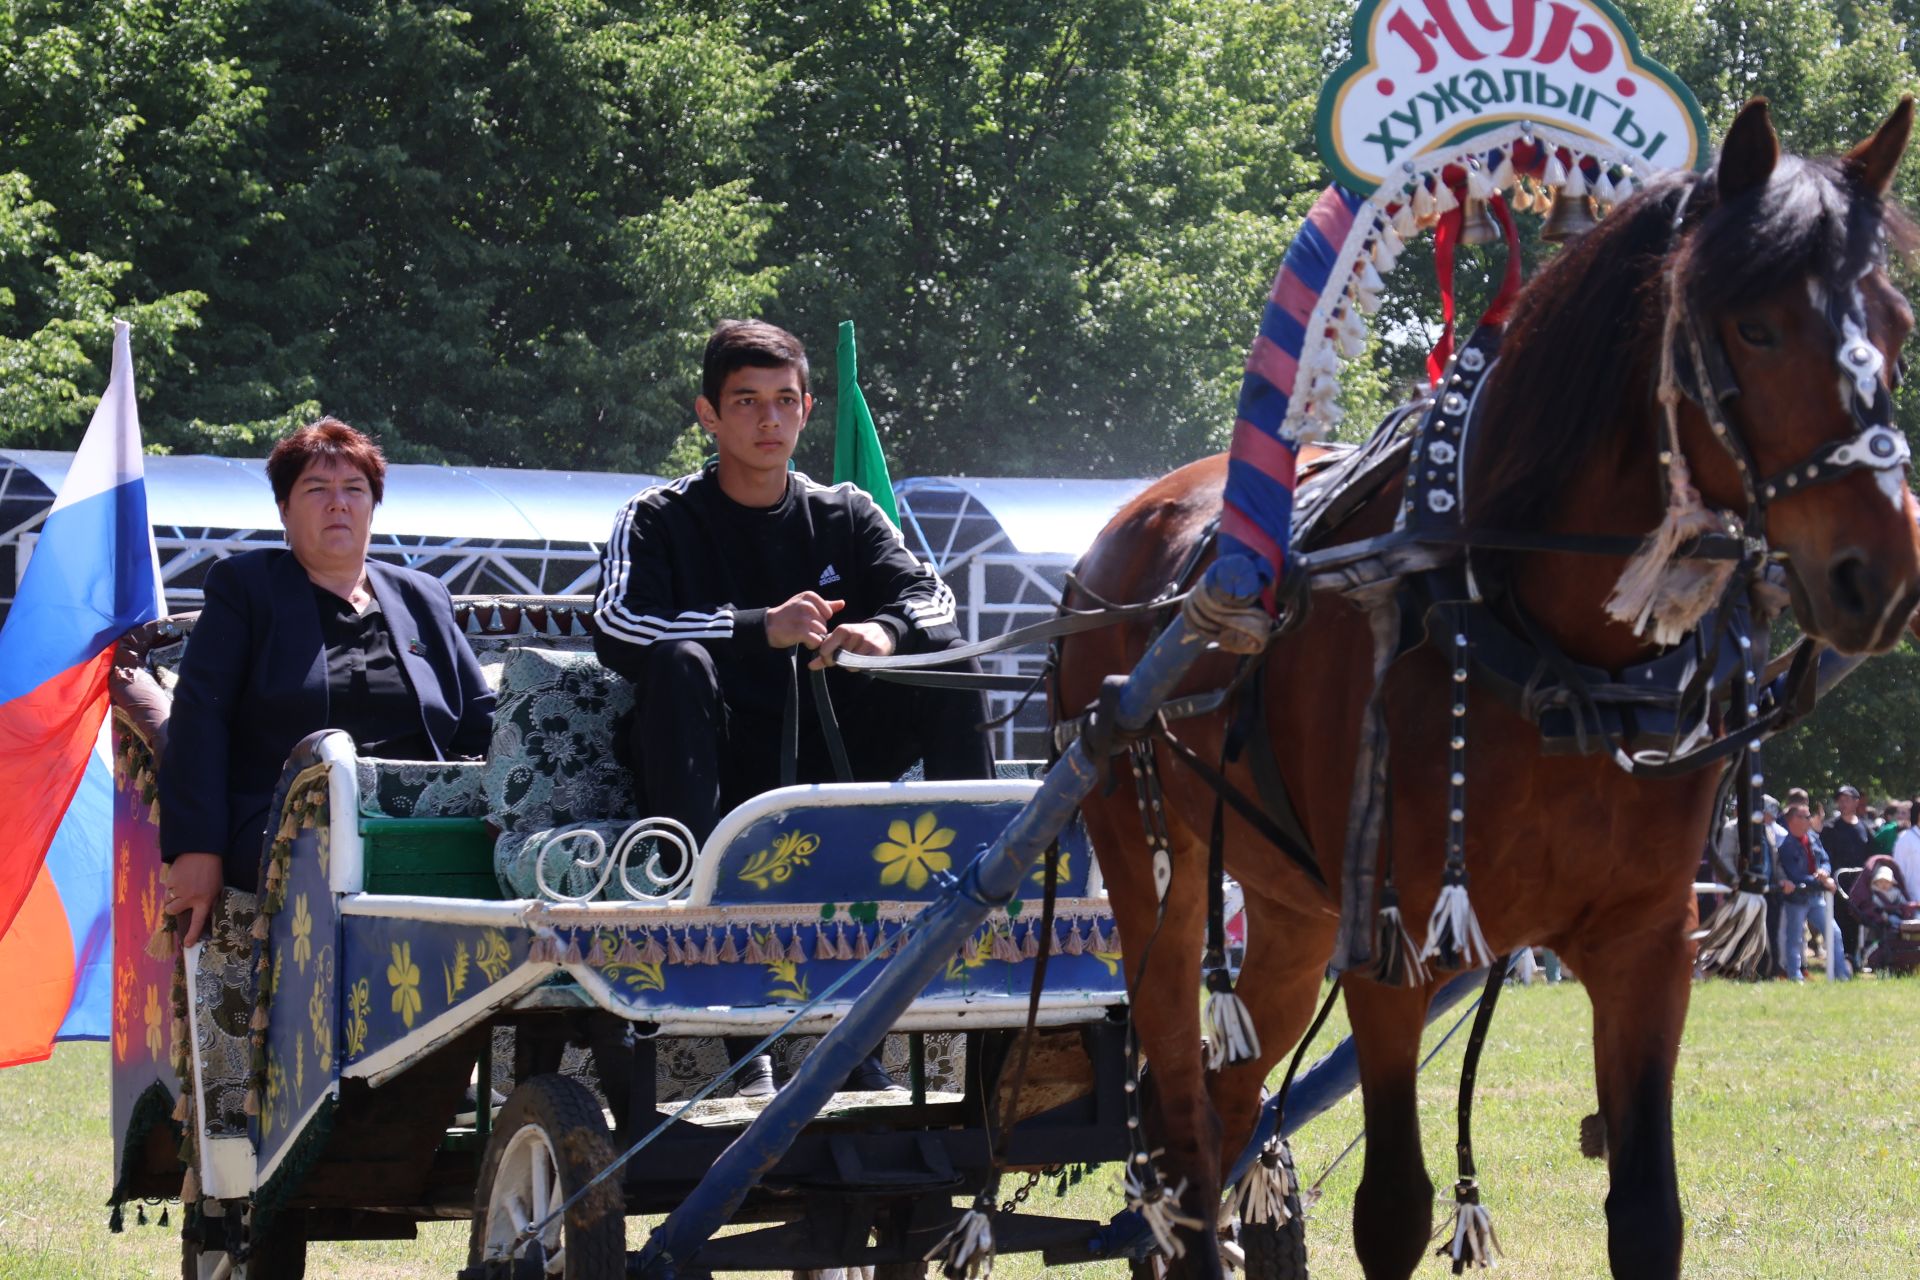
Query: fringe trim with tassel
point(1474, 1243)
point(1396, 960)
point(1453, 931)
point(1659, 596)
point(1735, 938)
point(1261, 1196)
point(1160, 1209)
point(1231, 1036)
point(966, 1252)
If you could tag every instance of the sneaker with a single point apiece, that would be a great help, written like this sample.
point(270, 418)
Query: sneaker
point(756, 1078)
point(871, 1077)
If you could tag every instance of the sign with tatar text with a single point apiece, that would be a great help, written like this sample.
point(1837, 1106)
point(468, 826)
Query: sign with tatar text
point(1426, 75)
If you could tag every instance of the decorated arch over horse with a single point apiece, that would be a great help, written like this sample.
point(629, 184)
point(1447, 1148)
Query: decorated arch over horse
point(1449, 116)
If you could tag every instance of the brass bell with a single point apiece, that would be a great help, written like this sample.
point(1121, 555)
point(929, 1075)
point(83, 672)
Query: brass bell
point(1477, 225)
point(1571, 218)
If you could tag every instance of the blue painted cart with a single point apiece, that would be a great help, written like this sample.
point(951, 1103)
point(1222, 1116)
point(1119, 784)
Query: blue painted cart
point(422, 931)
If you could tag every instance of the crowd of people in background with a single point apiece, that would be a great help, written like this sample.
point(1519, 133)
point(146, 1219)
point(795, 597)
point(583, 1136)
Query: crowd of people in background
point(1843, 885)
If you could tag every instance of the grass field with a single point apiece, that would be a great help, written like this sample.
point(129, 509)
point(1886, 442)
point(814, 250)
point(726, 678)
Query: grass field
point(1797, 1110)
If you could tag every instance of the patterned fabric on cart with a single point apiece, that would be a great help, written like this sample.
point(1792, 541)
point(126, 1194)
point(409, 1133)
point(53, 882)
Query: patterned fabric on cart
point(223, 1002)
point(422, 788)
point(555, 740)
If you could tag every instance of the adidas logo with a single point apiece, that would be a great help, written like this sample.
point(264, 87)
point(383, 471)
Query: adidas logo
point(828, 577)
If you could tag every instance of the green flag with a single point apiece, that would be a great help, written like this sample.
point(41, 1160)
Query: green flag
point(856, 445)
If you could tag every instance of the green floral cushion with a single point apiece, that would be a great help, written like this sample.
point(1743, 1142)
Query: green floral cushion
point(421, 788)
point(552, 758)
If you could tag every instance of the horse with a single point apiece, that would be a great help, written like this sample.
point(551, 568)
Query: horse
point(1570, 852)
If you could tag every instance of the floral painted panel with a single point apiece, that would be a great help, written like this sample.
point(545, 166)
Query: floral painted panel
point(886, 852)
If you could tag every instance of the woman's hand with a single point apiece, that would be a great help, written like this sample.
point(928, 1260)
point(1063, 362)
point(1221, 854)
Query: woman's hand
point(194, 882)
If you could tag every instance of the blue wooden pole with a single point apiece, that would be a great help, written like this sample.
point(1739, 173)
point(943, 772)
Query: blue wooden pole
point(990, 881)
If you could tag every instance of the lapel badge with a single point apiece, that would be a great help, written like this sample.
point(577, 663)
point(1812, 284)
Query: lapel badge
point(415, 648)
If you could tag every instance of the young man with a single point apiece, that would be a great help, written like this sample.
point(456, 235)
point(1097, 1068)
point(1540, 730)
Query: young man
point(712, 587)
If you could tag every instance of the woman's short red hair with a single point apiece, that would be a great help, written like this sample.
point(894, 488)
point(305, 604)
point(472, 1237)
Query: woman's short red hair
point(328, 440)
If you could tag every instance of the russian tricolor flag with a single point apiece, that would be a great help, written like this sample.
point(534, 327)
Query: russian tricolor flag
point(91, 578)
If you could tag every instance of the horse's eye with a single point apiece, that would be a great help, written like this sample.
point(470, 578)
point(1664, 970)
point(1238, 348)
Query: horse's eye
point(1755, 334)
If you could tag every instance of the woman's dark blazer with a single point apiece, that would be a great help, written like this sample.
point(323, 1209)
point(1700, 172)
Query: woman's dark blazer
point(253, 683)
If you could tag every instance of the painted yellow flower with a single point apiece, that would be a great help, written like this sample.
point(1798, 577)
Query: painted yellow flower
point(154, 1040)
point(403, 975)
point(318, 1015)
point(1065, 864)
point(126, 872)
point(912, 854)
point(491, 955)
point(302, 933)
point(359, 1000)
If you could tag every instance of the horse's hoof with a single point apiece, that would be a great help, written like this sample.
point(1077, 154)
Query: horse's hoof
point(1593, 1137)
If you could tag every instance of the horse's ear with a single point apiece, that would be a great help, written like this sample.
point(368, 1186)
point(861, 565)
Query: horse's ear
point(1749, 153)
point(1873, 162)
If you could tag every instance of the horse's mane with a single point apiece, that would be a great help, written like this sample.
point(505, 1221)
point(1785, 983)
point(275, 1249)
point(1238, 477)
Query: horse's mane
point(1579, 360)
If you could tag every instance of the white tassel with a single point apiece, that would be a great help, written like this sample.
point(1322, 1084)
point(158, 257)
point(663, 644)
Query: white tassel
point(1353, 335)
point(1405, 225)
point(1503, 176)
point(1394, 240)
point(1369, 279)
point(1576, 183)
point(1159, 1208)
point(1424, 205)
point(1735, 939)
point(1454, 928)
point(1261, 1196)
point(1658, 595)
point(1444, 201)
point(1555, 174)
point(1603, 187)
point(1231, 1036)
point(1623, 185)
point(1479, 185)
point(967, 1250)
point(1474, 1244)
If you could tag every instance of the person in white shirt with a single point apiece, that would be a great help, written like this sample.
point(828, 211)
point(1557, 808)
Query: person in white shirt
point(1906, 856)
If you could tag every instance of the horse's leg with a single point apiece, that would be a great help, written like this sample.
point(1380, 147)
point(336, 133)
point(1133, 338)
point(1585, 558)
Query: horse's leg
point(1639, 985)
point(1165, 1007)
point(1280, 983)
point(1393, 1208)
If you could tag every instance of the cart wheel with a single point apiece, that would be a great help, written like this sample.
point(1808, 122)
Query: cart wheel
point(548, 1141)
point(1277, 1250)
point(279, 1256)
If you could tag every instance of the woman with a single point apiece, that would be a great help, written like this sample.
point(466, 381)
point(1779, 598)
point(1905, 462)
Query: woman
point(292, 641)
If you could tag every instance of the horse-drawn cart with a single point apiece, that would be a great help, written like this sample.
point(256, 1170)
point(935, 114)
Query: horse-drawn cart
point(319, 1067)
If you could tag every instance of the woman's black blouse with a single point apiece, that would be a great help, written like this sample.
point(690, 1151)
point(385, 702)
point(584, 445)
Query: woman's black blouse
point(367, 692)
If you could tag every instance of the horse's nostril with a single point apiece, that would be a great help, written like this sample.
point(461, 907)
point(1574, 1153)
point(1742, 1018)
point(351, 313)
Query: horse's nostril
point(1854, 588)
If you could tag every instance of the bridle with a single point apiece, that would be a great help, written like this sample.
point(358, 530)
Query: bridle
point(1700, 370)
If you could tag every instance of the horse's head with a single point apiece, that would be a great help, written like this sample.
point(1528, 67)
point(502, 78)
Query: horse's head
point(1785, 332)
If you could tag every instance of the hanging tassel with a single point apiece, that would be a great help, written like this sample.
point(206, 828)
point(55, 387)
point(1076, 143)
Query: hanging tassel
point(1405, 224)
point(1101, 941)
point(755, 952)
point(160, 945)
point(190, 1186)
point(1231, 1035)
point(116, 1220)
point(1555, 175)
point(1474, 1244)
point(1661, 597)
point(795, 952)
point(1003, 948)
point(966, 1252)
point(140, 1215)
point(1576, 184)
point(1603, 187)
point(1453, 931)
point(822, 944)
point(859, 943)
point(709, 953)
point(674, 954)
point(628, 954)
point(1444, 201)
point(1396, 958)
point(252, 1104)
point(572, 955)
point(180, 1108)
point(258, 1022)
point(1160, 1209)
point(1503, 175)
point(1735, 939)
point(842, 949)
point(729, 952)
point(163, 1215)
point(1076, 940)
point(1261, 1196)
point(1423, 201)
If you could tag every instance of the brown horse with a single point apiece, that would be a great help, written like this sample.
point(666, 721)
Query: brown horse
point(1564, 851)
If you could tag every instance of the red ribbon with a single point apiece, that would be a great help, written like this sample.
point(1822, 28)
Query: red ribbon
point(1445, 237)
